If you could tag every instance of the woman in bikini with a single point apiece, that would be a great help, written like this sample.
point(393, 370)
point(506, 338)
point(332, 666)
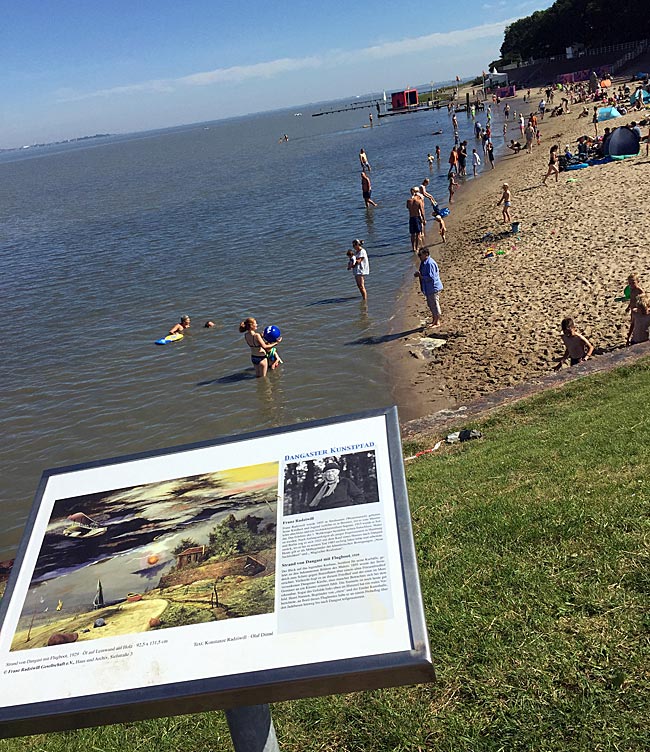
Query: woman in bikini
point(553, 168)
point(259, 348)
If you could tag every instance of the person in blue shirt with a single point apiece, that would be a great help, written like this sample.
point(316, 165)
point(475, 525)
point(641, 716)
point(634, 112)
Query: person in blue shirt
point(430, 284)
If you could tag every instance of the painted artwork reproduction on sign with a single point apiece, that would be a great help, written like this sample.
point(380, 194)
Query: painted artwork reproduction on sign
point(185, 551)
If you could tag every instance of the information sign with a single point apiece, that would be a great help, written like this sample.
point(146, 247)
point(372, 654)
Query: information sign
point(233, 572)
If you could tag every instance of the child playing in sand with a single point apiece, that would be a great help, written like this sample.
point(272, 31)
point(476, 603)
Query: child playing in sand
point(442, 227)
point(506, 198)
point(640, 322)
point(576, 347)
point(635, 291)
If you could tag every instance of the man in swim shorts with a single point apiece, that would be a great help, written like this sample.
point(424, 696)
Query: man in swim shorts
point(366, 190)
point(415, 206)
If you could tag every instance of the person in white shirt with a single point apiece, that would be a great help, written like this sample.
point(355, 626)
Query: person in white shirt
point(361, 267)
point(476, 161)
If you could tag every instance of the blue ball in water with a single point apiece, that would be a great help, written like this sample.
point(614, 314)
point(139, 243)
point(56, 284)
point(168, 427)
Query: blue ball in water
point(272, 333)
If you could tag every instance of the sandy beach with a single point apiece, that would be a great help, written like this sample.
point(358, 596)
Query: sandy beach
point(580, 239)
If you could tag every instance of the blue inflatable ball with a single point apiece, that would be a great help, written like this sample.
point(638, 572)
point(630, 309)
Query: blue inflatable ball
point(272, 334)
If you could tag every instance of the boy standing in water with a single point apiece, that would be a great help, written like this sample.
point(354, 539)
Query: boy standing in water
point(576, 347)
point(415, 206)
point(452, 186)
point(366, 190)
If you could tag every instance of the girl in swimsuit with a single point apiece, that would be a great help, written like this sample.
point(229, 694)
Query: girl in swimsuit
point(259, 348)
point(552, 165)
point(506, 199)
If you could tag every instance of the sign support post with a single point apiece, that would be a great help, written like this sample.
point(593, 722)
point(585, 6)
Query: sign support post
point(251, 728)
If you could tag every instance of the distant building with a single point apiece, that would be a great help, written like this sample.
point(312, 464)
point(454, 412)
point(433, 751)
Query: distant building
point(403, 99)
point(254, 565)
point(192, 555)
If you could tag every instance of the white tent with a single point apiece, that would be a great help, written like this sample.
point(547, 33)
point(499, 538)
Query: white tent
point(494, 78)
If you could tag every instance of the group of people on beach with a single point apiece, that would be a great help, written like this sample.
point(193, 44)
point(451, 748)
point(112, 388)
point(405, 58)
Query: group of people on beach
point(263, 353)
point(577, 347)
point(428, 272)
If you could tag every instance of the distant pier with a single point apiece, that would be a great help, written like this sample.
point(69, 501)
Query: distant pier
point(382, 111)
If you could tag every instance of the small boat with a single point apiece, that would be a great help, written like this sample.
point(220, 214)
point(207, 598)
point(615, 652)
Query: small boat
point(83, 531)
point(133, 597)
point(83, 526)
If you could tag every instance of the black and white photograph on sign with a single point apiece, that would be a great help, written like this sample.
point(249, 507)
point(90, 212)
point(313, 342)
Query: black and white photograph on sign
point(330, 483)
point(177, 552)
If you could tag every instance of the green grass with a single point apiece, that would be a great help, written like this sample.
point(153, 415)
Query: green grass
point(535, 571)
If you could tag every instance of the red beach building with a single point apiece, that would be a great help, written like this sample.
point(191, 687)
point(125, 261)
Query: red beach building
point(400, 100)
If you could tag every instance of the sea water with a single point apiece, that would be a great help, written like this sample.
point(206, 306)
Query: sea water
point(104, 244)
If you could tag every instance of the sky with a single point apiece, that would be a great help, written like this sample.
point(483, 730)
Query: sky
point(73, 68)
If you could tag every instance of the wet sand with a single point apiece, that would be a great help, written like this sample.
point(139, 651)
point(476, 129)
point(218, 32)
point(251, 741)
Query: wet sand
point(580, 239)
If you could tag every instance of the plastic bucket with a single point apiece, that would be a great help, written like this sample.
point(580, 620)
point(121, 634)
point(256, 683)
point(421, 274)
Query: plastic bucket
point(516, 227)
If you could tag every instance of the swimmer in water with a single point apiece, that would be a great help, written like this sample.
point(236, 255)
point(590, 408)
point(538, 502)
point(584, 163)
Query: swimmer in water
point(182, 326)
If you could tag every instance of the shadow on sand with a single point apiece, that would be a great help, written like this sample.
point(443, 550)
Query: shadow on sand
point(383, 338)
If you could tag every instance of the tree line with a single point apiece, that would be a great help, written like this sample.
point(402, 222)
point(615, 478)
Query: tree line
point(594, 23)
